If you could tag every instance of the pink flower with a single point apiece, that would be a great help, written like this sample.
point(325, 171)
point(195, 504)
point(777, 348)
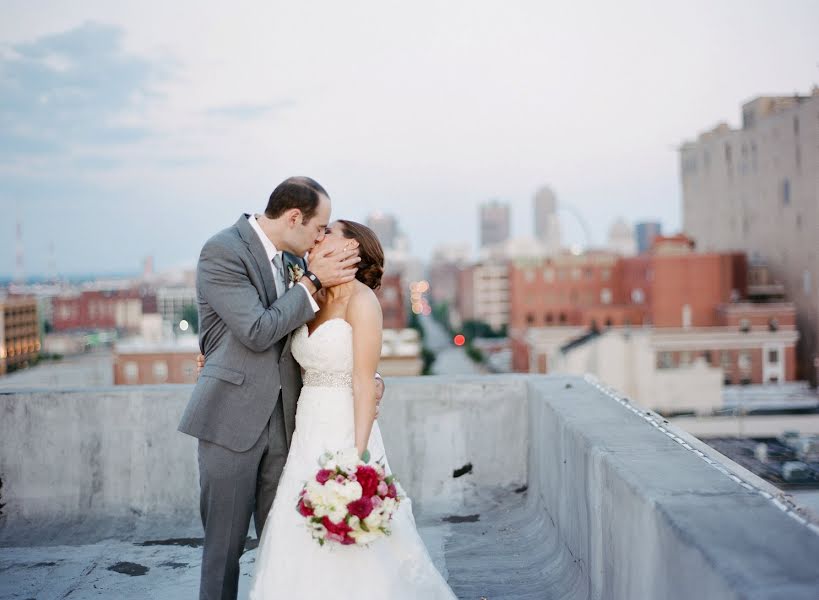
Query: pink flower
point(347, 541)
point(377, 501)
point(361, 508)
point(391, 491)
point(336, 529)
point(368, 478)
point(305, 510)
point(382, 488)
point(340, 479)
point(323, 475)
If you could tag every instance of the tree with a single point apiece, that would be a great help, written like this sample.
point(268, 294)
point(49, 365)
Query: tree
point(191, 315)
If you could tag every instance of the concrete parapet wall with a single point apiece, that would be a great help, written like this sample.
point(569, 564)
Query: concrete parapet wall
point(615, 507)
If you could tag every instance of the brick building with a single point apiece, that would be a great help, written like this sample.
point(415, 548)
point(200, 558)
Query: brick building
point(147, 363)
point(393, 305)
point(92, 309)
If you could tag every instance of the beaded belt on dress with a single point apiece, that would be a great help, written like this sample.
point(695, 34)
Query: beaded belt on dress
point(327, 379)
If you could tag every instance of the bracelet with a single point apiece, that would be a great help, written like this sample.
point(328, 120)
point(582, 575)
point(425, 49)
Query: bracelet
point(312, 277)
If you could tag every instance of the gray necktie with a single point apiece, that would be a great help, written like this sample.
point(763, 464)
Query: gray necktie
point(278, 274)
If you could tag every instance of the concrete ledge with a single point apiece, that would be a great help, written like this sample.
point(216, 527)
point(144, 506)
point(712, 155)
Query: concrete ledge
point(524, 487)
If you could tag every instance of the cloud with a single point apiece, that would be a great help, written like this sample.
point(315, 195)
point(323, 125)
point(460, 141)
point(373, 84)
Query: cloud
point(72, 89)
point(250, 111)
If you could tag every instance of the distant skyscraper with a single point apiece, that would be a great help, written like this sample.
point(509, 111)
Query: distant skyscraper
point(494, 223)
point(646, 232)
point(547, 224)
point(621, 239)
point(385, 227)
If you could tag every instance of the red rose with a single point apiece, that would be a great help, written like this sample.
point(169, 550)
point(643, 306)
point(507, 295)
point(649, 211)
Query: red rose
point(323, 475)
point(391, 491)
point(347, 541)
point(304, 510)
point(361, 508)
point(340, 529)
point(368, 478)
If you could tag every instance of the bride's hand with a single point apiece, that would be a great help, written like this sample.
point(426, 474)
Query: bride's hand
point(200, 364)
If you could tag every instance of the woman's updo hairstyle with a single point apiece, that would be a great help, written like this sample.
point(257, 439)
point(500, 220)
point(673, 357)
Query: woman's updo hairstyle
point(371, 267)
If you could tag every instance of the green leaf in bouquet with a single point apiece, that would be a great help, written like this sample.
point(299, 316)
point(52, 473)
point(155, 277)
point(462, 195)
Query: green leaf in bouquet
point(366, 456)
point(363, 526)
point(389, 479)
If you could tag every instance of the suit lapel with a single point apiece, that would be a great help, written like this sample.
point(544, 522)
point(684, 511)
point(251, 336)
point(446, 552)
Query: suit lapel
point(259, 256)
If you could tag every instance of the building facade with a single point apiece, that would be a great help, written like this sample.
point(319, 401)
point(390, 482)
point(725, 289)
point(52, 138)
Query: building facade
point(494, 222)
point(392, 299)
point(645, 233)
point(144, 363)
point(120, 309)
point(754, 189)
point(547, 223)
point(19, 332)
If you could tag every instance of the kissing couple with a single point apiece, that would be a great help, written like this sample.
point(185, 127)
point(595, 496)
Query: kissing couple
point(290, 350)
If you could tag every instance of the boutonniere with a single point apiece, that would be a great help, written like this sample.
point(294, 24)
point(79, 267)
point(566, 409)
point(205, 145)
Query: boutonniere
point(296, 273)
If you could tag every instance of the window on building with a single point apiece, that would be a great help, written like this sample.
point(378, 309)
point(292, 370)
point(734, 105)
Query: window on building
point(744, 325)
point(685, 358)
point(605, 274)
point(131, 371)
point(744, 361)
point(160, 371)
point(549, 318)
point(773, 357)
point(665, 360)
point(189, 368)
point(530, 319)
point(576, 274)
point(548, 275)
point(529, 275)
point(562, 318)
point(605, 296)
point(609, 322)
point(686, 315)
point(773, 324)
point(637, 296)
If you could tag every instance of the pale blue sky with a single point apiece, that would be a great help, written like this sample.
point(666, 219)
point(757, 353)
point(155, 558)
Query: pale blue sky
point(136, 128)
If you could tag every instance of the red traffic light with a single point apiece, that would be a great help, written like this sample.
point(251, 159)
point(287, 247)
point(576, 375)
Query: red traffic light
point(459, 340)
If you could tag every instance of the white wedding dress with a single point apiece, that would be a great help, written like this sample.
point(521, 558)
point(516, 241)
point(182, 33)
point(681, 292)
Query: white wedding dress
point(290, 563)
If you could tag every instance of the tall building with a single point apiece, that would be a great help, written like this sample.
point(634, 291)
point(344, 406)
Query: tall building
point(621, 239)
point(754, 189)
point(547, 224)
point(484, 294)
point(494, 217)
point(19, 332)
point(385, 227)
point(646, 232)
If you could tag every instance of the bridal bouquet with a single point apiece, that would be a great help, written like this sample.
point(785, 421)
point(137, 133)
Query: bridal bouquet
point(349, 501)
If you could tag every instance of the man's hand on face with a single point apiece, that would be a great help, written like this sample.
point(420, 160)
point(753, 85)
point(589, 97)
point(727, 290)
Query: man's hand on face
point(335, 266)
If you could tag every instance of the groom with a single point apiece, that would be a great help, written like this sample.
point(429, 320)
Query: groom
point(243, 407)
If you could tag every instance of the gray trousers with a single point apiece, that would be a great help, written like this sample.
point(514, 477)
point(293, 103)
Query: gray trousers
point(233, 487)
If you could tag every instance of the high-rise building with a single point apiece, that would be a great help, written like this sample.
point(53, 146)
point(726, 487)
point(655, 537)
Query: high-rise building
point(494, 223)
point(547, 224)
point(385, 227)
point(754, 189)
point(621, 239)
point(646, 232)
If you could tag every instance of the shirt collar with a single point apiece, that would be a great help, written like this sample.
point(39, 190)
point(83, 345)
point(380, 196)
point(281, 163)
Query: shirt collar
point(269, 247)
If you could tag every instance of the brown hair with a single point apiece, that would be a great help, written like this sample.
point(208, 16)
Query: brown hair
point(371, 267)
point(295, 192)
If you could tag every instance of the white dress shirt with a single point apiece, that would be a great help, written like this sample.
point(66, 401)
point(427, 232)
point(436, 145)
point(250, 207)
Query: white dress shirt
point(270, 249)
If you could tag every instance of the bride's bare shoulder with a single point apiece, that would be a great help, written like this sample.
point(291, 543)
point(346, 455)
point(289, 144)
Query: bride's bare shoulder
point(364, 303)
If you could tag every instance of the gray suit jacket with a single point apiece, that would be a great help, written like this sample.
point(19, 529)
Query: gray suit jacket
point(244, 333)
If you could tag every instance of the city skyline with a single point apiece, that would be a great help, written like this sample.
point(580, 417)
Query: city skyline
point(156, 133)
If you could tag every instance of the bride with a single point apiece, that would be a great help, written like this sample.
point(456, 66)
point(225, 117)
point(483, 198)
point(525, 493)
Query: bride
point(339, 353)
